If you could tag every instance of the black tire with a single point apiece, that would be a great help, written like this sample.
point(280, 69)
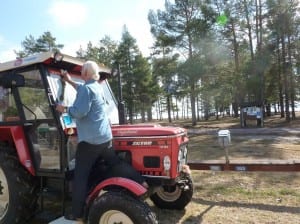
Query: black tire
point(18, 189)
point(175, 196)
point(119, 207)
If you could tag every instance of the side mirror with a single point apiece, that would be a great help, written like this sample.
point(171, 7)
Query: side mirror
point(10, 80)
point(104, 75)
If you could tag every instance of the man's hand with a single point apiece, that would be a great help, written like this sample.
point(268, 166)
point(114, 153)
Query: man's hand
point(67, 78)
point(60, 108)
point(65, 75)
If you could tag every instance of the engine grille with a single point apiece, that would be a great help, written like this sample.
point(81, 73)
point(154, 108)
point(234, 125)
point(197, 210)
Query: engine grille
point(151, 161)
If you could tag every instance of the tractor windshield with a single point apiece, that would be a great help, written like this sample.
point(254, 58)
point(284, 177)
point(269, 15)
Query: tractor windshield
point(65, 94)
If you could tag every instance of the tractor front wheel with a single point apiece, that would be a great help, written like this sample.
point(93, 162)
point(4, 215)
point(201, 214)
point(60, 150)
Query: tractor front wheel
point(119, 207)
point(175, 196)
point(18, 189)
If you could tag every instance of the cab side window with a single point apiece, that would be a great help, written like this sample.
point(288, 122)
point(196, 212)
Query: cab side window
point(42, 129)
point(8, 110)
point(33, 97)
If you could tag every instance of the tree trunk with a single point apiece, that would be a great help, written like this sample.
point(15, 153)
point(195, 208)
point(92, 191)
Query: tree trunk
point(235, 108)
point(279, 83)
point(149, 114)
point(258, 24)
point(169, 108)
point(285, 80)
point(235, 48)
point(177, 110)
point(198, 111)
point(291, 79)
point(143, 112)
point(275, 109)
point(130, 113)
point(249, 29)
point(193, 104)
point(187, 108)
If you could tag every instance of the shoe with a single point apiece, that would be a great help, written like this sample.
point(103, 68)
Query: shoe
point(79, 221)
point(145, 185)
point(70, 216)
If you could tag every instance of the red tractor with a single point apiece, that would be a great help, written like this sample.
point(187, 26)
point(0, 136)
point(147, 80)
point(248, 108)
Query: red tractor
point(37, 147)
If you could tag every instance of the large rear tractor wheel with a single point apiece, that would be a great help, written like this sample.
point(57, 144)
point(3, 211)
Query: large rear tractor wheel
point(18, 189)
point(119, 207)
point(175, 196)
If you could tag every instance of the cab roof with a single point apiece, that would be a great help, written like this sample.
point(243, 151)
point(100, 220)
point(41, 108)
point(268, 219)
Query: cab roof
point(48, 58)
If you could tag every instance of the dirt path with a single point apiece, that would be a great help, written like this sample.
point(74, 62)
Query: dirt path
point(243, 197)
point(240, 198)
point(247, 131)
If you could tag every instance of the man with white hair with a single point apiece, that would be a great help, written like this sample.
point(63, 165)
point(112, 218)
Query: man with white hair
point(93, 129)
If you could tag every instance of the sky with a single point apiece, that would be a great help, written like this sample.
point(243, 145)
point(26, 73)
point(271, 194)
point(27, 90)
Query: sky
point(74, 22)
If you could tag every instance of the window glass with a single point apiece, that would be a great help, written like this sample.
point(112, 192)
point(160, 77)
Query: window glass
point(43, 132)
point(33, 96)
point(8, 111)
point(111, 104)
point(63, 92)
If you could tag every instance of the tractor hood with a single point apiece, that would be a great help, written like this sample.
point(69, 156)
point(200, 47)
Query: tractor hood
point(142, 130)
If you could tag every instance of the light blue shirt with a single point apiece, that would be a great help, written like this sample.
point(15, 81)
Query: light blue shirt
point(92, 123)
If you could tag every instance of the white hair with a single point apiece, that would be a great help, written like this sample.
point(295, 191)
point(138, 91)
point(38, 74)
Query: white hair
point(91, 69)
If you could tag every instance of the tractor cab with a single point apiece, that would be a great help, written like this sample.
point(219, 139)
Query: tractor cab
point(30, 88)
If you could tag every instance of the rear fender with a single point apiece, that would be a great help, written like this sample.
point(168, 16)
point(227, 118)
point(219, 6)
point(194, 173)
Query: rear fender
point(128, 184)
point(14, 135)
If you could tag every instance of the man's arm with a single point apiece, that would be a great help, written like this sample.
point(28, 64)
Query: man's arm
point(66, 77)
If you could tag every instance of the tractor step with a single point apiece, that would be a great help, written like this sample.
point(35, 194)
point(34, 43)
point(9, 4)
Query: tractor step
point(62, 220)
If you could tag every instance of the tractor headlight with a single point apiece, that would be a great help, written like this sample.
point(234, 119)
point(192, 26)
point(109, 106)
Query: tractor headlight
point(167, 163)
point(182, 157)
